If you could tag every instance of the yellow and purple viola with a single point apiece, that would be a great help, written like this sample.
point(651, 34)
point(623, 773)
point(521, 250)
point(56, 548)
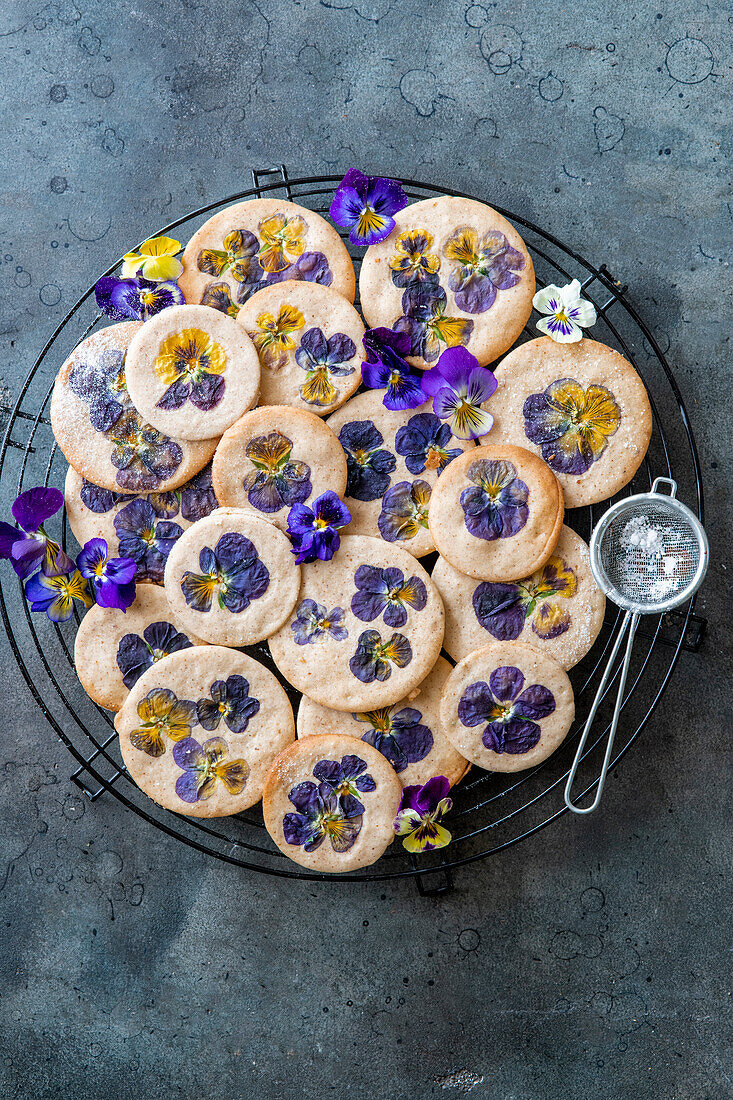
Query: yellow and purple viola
point(420, 813)
point(282, 241)
point(143, 456)
point(404, 510)
point(320, 816)
point(504, 609)
point(145, 538)
point(229, 702)
point(424, 443)
point(57, 595)
point(191, 365)
point(135, 299)
point(365, 204)
point(278, 480)
point(206, 765)
point(154, 260)
point(374, 657)
point(386, 368)
point(27, 546)
point(233, 572)
point(400, 735)
point(481, 266)
point(313, 623)
point(112, 580)
point(495, 504)
point(458, 387)
point(566, 312)
point(511, 710)
point(413, 261)
point(238, 257)
point(323, 358)
point(314, 531)
point(426, 321)
point(273, 336)
point(161, 714)
point(386, 591)
point(571, 425)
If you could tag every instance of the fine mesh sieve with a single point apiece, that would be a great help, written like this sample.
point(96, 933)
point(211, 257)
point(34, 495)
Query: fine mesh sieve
point(649, 553)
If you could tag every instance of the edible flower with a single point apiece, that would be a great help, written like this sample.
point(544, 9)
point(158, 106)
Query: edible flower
point(314, 532)
point(135, 299)
point(112, 579)
point(566, 313)
point(386, 367)
point(27, 547)
point(155, 260)
point(458, 387)
point(205, 765)
point(55, 595)
point(421, 810)
point(365, 205)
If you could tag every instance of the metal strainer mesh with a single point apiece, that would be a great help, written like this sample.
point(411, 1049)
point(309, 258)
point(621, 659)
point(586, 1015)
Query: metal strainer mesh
point(649, 553)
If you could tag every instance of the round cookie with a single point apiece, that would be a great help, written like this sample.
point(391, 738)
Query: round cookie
point(201, 728)
point(408, 734)
point(148, 525)
point(256, 243)
point(309, 340)
point(394, 459)
point(496, 513)
point(582, 407)
point(113, 649)
point(507, 706)
point(99, 430)
point(232, 578)
point(329, 803)
point(559, 609)
point(274, 457)
point(452, 271)
point(366, 629)
point(191, 372)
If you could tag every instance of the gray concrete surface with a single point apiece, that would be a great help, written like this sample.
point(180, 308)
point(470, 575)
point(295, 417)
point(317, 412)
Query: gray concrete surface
point(589, 962)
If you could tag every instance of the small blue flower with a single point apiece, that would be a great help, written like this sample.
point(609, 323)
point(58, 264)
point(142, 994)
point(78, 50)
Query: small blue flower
point(314, 532)
point(313, 621)
point(112, 579)
point(365, 205)
point(386, 368)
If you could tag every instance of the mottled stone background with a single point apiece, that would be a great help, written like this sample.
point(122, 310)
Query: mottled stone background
point(589, 962)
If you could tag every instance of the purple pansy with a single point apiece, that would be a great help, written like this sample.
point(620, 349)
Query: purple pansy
point(313, 621)
point(233, 570)
point(423, 441)
point(143, 456)
point(100, 500)
point(425, 321)
point(27, 547)
point(385, 368)
point(205, 765)
point(314, 531)
point(374, 658)
point(112, 579)
point(278, 480)
point(135, 654)
point(321, 359)
point(503, 609)
point(495, 505)
point(230, 702)
point(365, 205)
point(347, 779)
point(386, 590)
point(458, 386)
point(135, 299)
point(145, 538)
point(420, 813)
point(511, 712)
point(571, 425)
point(198, 498)
point(368, 463)
point(401, 737)
point(404, 510)
point(55, 595)
point(101, 385)
point(482, 266)
point(320, 815)
point(310, 267)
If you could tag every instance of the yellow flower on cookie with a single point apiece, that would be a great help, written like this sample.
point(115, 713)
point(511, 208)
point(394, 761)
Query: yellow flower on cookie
point(282, 241)
point(188, 354)
point(154, 260)
point(413, 261)
point(274, 335)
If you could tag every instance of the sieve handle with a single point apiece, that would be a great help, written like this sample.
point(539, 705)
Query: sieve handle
point(630, 623)
point(665, 481)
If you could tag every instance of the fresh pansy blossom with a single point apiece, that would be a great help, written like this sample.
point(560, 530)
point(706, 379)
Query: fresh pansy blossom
point(27, 547)
point(314, 531)
point(511, 710)
point(419, 816)
point(386, 591)
point(135, 299)
point(566, 313)
point(56, 595)
point(458, 387)
point(112, 579)
point(365, 205)
point(385, 368)
point(155, 259)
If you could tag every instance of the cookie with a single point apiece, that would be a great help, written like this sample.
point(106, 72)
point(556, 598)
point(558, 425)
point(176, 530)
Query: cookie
point(113, 649)
point(507, 706)
point(496, 513)
point(275, 457)
point(408, 734)
point(559, 609)
point(146, 525)
point(329, 803)
point(394, 460)
point(253, 244)
point(452, 271)
point(231, 578)
point(582, 407)
point(191, 372)
point(308, 339)
point(101, 433)
point(201, 728)
point(366, 629)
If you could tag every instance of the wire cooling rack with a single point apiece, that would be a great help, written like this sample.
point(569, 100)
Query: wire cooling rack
point(490, 811)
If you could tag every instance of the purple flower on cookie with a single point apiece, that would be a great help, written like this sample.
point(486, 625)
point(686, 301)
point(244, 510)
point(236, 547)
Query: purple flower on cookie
point(347, 778)
point(374, 658)
point(143, 456)
point(511, 710)
point(314, 532)
point(101, 384)
point(233, 571)
point(495, 505)
point(322, 358)
point(365, 205)
point(483, 265)
point(423, 442)
point(313, 622)
point(401, 736)
point(277, 480)
point(368, 463)
point(427, 324)
point(404, 510)
point(145, 538)
point(229, 702)
point(205, 765)
point(135, 654)
point(386, 590)
point(319, 815)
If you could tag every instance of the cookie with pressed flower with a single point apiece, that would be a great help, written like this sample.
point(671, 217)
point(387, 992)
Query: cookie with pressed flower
point(274, 457)
point(101, 433)
point(142, 527)
point(112, 649)
point(232, 578)
point(507, 706)
point(582, 407)
point(254, 244)
point(308, 338)
point(366, 628)
point(200, 729)
point(558, 609)
point(496, 513)
point(408, 733)
point(394, 460)
point(330, 802)
point(452, 272)
point(192, 371)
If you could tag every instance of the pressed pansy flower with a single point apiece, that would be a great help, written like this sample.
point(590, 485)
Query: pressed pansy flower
point(191, 364)
point(368, 463)
point(511, 710)
point(320, 815)
point(458, 386)
point(413, 262)
point(198, 498)
point(230, 702)
point(277, 481)
point(423, 441)
point(219, 296)
point(567, 314)
point(311, 267)
point(143, 456)
point(365, 205)
point(313, 621)
point(427, 324)
point(314, 532)
point(274, 336)
point(495, 505)
point(55, 595)
point(112, 579)
point(321, 359)
point(282, 240)
point(483, 266)
point(162, 714)
point(238, 257)
point(135, 299)
point(233, 570)
point(503, 608)
point(386, 590)
point(136, 655)
point(404, 510)
point(205, 765)
point(100, 500)
point(155, 259)
point(401, 737)
point(374, 658)
point(571, 425)
point(101, 385)
point(421, 810)
point(347, 779)
point(27, 547)
point(146, 539)
point(385, 368)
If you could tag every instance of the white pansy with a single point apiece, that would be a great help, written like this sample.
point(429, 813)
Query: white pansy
point(566, 313)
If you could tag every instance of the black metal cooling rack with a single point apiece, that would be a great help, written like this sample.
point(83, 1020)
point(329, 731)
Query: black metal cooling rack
point(491, 812)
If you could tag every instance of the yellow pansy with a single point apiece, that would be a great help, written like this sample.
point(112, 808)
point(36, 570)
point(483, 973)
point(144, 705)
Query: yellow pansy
point(154, 260)
point(274, 335)
point(188, 355)
point(283, 240)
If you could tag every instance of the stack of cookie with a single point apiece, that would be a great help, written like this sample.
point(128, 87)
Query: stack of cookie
point(190, 437)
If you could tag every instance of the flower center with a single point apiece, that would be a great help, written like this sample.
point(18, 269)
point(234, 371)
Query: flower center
point(561, 315)
point(361, 457)
point(157, 654)
point(321, 523)
point(222, 708)
point(433, 458)
point(148, 536)
point(99, 568)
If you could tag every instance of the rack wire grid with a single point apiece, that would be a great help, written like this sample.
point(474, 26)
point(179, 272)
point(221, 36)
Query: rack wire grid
point(490, 811)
